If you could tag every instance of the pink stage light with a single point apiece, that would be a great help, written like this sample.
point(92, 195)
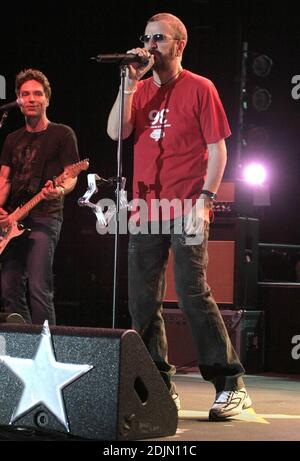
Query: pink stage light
point(255, 173)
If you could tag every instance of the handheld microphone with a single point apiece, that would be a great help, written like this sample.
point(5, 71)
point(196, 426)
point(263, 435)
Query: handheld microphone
point(121, 58)
point(8, 106)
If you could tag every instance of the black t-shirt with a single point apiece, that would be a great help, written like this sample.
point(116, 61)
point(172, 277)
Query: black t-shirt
point(21, 152)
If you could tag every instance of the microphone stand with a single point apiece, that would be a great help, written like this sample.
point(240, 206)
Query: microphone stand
point(242, 108)
point(3, 118)
point(118, 194)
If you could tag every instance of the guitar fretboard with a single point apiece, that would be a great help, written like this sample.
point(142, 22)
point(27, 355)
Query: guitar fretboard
point(71, 171)
point(20, 213)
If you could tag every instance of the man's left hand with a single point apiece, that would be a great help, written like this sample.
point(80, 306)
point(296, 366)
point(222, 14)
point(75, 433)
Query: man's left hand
point(50, 191)
point(195, 219)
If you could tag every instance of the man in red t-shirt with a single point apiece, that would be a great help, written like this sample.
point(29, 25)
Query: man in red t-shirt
point(179, 129)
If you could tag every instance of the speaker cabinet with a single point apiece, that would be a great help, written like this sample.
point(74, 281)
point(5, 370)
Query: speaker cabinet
point(221, 255)
point(245, 329)
point(233, 264)
point(118, 396)
point(280, 302)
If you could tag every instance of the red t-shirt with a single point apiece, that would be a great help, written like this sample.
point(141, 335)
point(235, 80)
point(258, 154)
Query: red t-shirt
point(173, 125)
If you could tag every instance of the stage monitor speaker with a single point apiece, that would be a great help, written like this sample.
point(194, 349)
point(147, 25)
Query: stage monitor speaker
point(90, 383)
point(233, 264)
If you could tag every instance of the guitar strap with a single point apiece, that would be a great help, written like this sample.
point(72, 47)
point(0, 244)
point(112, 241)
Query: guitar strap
point(35, 183)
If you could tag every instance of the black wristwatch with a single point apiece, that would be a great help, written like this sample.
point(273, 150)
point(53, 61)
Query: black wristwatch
point(211, 195)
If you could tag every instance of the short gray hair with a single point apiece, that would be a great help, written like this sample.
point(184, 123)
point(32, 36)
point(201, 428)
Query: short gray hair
point(176, 24)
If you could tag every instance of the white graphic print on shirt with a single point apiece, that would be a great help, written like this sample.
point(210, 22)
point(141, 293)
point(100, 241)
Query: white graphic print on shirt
point(158, 123)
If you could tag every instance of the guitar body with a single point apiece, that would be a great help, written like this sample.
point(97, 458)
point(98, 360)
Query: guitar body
point(6, 235)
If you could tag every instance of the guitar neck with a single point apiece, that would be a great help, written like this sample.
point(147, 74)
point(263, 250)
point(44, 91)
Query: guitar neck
point(21, 212)
point(71, 172)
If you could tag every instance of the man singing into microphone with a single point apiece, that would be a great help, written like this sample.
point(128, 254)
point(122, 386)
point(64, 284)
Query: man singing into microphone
point(180, 128)
point(31, 157)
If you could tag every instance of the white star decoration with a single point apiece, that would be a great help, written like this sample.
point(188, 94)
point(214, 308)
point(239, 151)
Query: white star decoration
point(43, 378)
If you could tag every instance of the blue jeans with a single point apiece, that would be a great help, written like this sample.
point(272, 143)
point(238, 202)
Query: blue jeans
point(26, 276)
point(147, 261)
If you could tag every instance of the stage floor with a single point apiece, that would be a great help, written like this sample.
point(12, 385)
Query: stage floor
point(275, 414)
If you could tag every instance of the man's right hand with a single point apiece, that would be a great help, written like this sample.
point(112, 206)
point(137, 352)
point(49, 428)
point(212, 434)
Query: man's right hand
point(137, 71)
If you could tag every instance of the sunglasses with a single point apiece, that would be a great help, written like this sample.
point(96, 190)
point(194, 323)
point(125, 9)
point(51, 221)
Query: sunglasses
point(156, 38)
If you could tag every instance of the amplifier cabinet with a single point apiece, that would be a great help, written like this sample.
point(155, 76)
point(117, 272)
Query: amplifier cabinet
point(281, 302)
point(233, 264)
point(245, 329)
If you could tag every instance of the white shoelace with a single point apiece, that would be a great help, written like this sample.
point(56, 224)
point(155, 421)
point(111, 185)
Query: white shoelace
point(222, 397)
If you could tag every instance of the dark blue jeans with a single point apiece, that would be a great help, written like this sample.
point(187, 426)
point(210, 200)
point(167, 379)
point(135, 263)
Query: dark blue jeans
point(26, 276)
point(148, 255)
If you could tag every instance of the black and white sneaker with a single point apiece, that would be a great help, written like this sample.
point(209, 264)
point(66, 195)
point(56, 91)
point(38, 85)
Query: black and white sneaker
point(229, 403)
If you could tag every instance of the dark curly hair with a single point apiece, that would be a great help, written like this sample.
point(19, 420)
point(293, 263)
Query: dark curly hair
point(33, 74)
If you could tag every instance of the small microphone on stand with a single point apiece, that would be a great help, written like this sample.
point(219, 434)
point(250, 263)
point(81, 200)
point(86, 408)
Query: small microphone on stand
point(5, 108)
point(107, 182)
point(10, 105)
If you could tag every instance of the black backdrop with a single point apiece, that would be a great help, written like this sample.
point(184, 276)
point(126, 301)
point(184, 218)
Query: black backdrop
point(60, 37)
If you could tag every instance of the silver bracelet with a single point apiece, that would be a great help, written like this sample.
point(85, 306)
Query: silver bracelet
point(129, 91)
